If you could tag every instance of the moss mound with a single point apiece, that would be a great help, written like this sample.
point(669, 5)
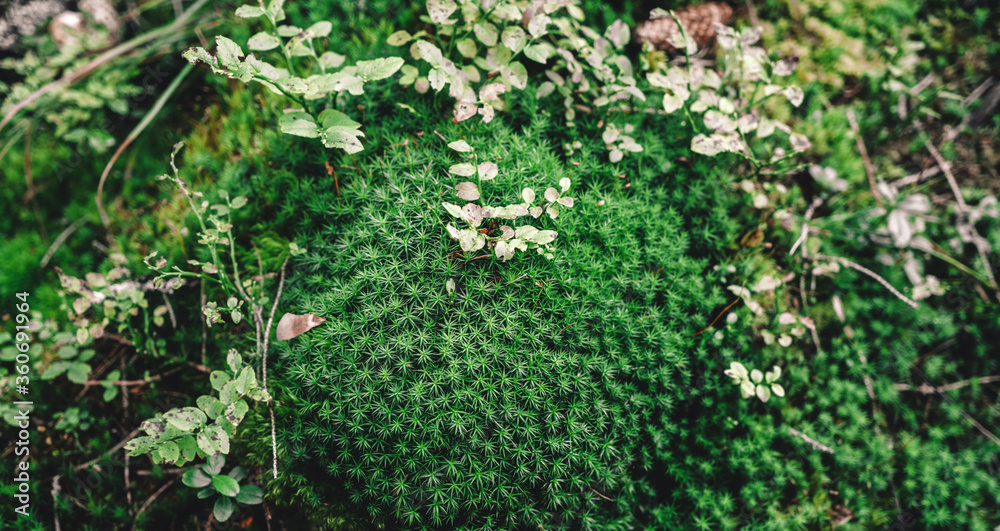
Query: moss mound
point(528, 396)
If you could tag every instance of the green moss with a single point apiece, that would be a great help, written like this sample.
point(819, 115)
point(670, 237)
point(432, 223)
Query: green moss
point(534, 390)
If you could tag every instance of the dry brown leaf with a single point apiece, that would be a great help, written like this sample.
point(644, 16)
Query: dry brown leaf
point(292, 325)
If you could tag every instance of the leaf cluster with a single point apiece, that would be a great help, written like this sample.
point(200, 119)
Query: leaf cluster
point(187, 433)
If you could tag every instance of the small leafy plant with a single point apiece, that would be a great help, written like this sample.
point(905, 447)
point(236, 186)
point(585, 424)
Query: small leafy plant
point(731, 102)
point(184, 434)
point(503, 239)
point(756, 383)
point(317, 90)
point(586, 68)
point(210, 479)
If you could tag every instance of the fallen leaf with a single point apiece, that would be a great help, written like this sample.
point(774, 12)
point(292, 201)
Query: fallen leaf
point(292, 325)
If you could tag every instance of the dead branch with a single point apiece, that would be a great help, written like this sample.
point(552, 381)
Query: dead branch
point(927, 389)
point(864, 156)
point(811, 441)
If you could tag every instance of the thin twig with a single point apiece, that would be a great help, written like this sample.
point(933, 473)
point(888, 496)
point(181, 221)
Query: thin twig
point(117, 447)
point(30, 195)
point(144, 473)
point(962, 209)
point(132, 383)
point(872, 274)
point(953, 132)
point(812, 442)
point(864, 156)
point(267, 337)
point(125, 409)
point(601, 495)
point(149, 500)
point(146, 120)
point(927, 389)
point(962, 206)
point(917, 177)
point(204, 327)
point(59, 241)
point(56, 488)
point(170, 311)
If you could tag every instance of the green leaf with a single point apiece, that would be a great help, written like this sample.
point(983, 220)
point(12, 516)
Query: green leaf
point(239, 202)
point(211, 406)
point(516, 74)
point(275, 11)
point(380, 68)
point(153, 427)
point(763, 393)
point(218, 437)
point(399, 38)
point(215, 464)
point(464, 169)
point(544, 237)
point(223, 508)
point(237, 473)
point(460, 145)
point(454, 210)
point(188, 446)
point(467, 47)
point(228, 53)
point(218, 379)
point(440, 10)
point(259, 394)
point(169, 452)
point(298, 123)
point(206, 493)
point(226, 485)
point(193, 55)
point(514, 38)
point(110, 392)
point(207, 445)
point(263, 41)
point(77, 372)
point(288, 31)
point(55, 370)
point(234, 361)
point(228, 393)
point(486, 33)
point(331, 60)
point(185, 418)
point(321, 28)
point(140, 445)
point(195, 478)
point(245, 380)
point(340, 131)
point(250, 495)
point(249, 11)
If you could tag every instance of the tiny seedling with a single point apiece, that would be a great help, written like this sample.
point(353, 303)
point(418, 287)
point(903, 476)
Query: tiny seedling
point(755, 382)
point(210, 479)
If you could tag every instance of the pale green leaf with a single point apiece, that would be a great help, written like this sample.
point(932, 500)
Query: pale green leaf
point(298, 123)
point(249, 11)
point(263, 41)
